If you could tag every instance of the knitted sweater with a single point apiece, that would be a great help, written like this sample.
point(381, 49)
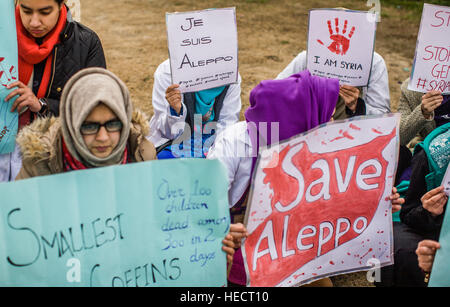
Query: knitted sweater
point(412, 121)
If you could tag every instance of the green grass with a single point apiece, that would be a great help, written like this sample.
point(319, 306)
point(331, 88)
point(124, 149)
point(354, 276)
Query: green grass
point(256, 1)
point(412, 8)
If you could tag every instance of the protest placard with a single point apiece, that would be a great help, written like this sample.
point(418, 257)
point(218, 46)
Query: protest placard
point(203, 48)
point(8, 74)
point(431, 68)
point(341, 44)
point(440, 273)
point(319, 203)
point(155, 223)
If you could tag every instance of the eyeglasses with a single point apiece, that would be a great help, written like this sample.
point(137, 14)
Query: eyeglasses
point(89, 128)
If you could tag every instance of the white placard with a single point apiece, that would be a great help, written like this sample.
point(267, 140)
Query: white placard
point(446, 181)
point(340, 45)
point(431, 69)
point(203, 48)
point(319, 205)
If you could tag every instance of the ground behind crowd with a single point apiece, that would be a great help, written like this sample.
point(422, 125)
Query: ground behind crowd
point(271, 33)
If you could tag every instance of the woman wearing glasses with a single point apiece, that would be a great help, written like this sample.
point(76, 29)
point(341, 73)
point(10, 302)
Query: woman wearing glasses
point(97, 127)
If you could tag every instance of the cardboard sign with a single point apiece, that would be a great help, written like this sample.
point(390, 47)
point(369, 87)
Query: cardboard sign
point(9, 73)
point(203, 48)
point(341, 44)
point(431, 69)
point(319, 204)
point(440, 273)
point(158, 223)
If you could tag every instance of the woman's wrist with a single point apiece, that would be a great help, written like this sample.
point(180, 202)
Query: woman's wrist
point(427, 115)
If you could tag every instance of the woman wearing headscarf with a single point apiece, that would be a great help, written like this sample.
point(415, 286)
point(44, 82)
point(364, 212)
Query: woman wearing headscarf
point(52, 48)
point(97, 127)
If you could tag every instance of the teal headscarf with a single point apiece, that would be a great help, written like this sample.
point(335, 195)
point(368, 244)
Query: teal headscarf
point(440, 149)
point(205, 102)
point(437, 147)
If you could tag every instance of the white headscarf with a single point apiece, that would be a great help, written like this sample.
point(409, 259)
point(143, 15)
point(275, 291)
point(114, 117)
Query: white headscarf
point(82, 93)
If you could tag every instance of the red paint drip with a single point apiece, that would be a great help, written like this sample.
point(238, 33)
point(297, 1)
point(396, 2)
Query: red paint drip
point(354, 127)
point(376, 131)
point(345, 135)
point(367, 253)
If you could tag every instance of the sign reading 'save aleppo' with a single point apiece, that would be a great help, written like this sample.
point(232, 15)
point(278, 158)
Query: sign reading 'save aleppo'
point(319, 205)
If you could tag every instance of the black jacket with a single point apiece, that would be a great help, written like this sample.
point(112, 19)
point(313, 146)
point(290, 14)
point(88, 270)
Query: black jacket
point(413, 213)
point(80, 47)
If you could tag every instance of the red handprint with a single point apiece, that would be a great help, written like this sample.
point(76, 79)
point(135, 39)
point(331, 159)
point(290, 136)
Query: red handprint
point(340, 43)
point(6, 76)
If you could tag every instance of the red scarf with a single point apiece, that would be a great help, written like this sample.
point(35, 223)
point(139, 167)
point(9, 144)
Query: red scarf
point(72, 164)
point(30, 53)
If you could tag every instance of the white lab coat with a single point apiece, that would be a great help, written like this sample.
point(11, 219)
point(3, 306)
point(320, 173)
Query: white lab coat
point(10, 165)
point(233, 149)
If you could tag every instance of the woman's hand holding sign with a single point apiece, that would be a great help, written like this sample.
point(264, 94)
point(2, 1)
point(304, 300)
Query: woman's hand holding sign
point(173, 97)
point(26, 98)
point(350, 95)
point(431, 101)
point(238, 231)
point(396, 200)
point(434, 201)
point(426, 251)
point(228, 247)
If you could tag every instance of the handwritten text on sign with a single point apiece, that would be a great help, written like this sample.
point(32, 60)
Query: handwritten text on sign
point(318, 205)
point(203, 48)
point(431, 69)
point(8, 75)
point(335, 38)
point(144, 224)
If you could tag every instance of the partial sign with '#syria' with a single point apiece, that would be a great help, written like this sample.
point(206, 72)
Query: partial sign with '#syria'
point(431, 70)
point(319, 203)
point(143, 224)
point(203, 48)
